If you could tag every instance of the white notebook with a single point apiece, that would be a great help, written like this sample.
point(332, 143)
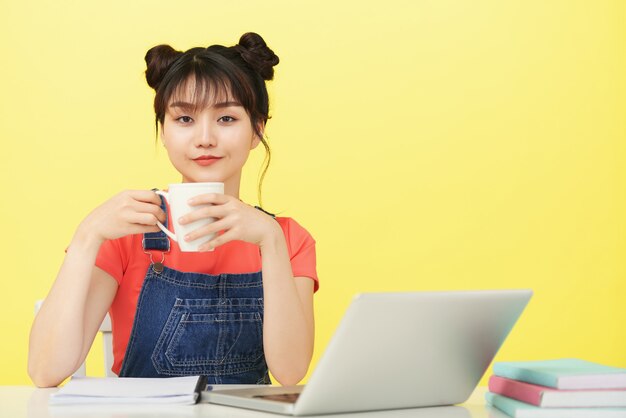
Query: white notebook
point(129, 390)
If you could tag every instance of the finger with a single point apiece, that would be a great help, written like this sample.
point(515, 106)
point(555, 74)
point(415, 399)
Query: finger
point(147, 196)
point(209, 229)
point(142, 219)
point(217, 241)
point(156, 210)
point(142, 229)
point(215, 198)
point(204, 212)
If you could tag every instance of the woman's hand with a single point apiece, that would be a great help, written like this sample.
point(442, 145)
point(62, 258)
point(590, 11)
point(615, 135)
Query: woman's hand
point(238, 220)
point(129, 212)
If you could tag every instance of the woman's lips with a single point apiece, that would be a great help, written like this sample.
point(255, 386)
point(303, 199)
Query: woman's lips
point(205, 161)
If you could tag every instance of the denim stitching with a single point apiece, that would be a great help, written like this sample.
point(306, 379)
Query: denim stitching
point(216, 302)
point(211, 281)
point(133, 334)
point(234, 342)
point(182, 313)
point(222, 327)
point(227, 364)
point(252, 317)
point(165, 332)
point(204, 371)
point(210, 286)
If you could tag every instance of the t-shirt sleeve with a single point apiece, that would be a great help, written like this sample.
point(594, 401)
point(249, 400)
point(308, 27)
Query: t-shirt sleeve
point(111, 259)
point(301, 250)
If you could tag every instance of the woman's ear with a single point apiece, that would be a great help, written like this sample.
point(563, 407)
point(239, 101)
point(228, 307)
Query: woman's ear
point(256, 139)
point(161, 135)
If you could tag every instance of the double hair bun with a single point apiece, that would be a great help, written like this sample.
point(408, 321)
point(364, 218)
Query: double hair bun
point(257, 54)
point(251, 48)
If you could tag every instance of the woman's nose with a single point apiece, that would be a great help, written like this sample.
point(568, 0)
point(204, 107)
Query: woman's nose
point(206, 136)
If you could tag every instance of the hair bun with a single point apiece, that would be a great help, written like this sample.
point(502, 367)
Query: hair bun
point(158, 61)
point(257, 54)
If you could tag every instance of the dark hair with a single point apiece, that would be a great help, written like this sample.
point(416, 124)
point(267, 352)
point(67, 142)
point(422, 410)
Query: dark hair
point(216, 71)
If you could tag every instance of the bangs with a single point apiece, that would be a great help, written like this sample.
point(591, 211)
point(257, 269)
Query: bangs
point(201, 92)
point(201, 79)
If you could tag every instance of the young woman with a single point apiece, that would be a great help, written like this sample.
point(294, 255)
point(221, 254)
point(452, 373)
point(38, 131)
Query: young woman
point(237, 309)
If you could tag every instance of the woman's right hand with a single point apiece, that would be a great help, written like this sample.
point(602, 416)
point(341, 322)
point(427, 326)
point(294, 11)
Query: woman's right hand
point(68, 321)
point(129, 212)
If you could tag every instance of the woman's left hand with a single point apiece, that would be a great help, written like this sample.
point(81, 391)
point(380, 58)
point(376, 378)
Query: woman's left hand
point(238, 220)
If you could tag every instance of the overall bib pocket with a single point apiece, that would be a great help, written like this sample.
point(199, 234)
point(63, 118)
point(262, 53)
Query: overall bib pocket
point(214, 337)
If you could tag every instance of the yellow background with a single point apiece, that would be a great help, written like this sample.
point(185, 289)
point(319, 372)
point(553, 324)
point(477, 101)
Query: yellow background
point(426, 145)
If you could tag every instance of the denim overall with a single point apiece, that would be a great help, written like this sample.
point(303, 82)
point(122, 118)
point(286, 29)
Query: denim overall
point(196, 324)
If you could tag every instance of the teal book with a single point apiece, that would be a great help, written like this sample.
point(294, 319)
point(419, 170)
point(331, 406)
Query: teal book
point(517, 409)
point(563, 374)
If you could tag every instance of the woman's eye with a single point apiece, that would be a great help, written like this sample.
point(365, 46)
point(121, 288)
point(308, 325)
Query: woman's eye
point(227, 119)
point(184, 119)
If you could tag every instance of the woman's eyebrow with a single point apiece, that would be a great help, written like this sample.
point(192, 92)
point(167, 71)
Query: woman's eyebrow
point(190, 106)
point(226, 104)
point(186, 106)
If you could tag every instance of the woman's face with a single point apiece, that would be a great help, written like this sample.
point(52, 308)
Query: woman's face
point(210, 144)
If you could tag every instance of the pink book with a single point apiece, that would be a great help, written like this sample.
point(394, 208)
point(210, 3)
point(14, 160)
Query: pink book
point(544, 396)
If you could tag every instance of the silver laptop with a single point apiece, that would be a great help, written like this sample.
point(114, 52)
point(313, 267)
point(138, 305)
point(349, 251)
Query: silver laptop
point(397, 350)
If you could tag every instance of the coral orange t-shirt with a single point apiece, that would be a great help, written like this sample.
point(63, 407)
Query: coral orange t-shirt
point(125, 260)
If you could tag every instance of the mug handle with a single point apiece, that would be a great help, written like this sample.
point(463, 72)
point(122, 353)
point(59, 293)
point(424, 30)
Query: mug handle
point(159, 224)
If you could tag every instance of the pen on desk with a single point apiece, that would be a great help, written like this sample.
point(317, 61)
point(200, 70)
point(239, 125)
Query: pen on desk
point(200, 386)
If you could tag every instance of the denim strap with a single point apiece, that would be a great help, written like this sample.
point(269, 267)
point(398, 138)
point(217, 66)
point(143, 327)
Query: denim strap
point(157, 240)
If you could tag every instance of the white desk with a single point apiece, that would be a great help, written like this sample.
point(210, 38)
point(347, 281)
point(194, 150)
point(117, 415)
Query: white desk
point(30, 402)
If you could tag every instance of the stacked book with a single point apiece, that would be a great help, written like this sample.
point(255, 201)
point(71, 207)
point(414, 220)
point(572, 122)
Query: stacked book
point(567, 388)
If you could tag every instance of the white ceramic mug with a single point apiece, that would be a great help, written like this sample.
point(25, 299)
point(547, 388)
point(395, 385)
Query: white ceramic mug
point(177, 197)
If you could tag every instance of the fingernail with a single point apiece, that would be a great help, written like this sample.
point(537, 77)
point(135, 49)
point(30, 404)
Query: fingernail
point(190, 201)
point(187, 237)
point(181, 220)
